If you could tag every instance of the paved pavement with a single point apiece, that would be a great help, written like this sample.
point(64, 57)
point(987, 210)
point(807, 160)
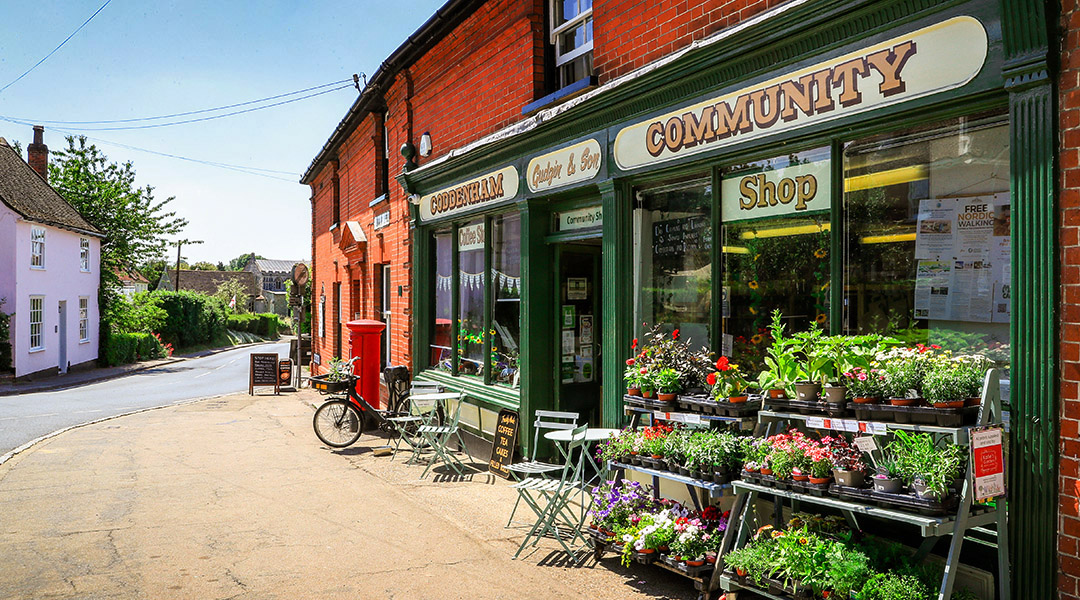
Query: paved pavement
point(235, 498)
point(26, 416)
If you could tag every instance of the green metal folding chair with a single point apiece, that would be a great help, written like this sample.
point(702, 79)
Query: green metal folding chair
point(438, 438)
point(556, 514)
point(546, 420)
point(422, 411)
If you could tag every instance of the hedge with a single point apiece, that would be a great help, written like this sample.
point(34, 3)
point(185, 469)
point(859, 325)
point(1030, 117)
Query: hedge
point(263, 324)
point(125, 348)
point(192, 319)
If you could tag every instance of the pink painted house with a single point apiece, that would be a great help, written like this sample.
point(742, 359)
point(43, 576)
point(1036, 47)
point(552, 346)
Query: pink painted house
point(49, 268)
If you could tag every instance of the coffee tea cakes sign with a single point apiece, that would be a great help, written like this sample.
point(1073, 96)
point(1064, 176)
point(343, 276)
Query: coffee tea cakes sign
point(931, 60)
point(564, 167)
point(488, 189)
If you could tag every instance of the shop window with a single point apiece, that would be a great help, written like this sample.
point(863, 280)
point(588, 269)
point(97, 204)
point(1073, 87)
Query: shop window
point(471, 291)
point(775, 248)
point(572, 36)
point(506, 296)
point(673, 258)
point(441, 346)
point(927, 250)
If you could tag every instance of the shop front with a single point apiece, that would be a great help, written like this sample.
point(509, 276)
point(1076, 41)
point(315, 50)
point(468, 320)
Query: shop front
point(864, 168)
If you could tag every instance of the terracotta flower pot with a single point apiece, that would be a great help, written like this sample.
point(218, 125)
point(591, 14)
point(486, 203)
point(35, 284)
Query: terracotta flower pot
point(798, 476)
point(657, 456)
point(695, 563)
point(777, 393)
point(737, 399)
point(646, 551)
point(949, 404)
point(820, 480)
point(973, 401)
point(766, 471)
point(633, 391)
point(710, 558)
point(865, 400)
point(750, 469)
point(647, 393)
point(741, 572)
point(664, 397)
point(903, 401)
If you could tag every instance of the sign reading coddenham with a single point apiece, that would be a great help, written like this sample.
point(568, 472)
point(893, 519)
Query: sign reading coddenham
point(486, 189)
point(927, 61)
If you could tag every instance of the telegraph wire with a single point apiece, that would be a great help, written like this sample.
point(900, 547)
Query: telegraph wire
point(185, 121)
point(239, 168)
point(190, 112)
point(102, 7)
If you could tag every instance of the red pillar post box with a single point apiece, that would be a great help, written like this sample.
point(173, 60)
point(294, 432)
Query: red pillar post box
point(365, 342)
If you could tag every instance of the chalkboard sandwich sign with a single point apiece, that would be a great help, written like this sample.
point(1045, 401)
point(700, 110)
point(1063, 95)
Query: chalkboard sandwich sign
point(264, 372)
point(502, 450)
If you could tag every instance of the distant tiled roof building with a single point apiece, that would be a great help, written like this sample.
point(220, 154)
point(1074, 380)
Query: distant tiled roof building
point(271, 274)
point(207, 282)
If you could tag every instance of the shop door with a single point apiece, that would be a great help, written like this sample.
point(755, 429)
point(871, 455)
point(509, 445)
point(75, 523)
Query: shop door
point(578, 336)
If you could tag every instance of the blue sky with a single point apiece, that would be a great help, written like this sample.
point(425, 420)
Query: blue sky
point(142, 59)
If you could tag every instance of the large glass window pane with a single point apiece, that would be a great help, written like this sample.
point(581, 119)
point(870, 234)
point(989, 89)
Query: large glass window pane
point(927, 212)
point(775, 248)
point(506, 295)
point(444, 274)
point(672, 258)
point(471, 329)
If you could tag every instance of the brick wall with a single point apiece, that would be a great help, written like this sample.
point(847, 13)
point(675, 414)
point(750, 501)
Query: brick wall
point(1069, 195)
point(628, 34)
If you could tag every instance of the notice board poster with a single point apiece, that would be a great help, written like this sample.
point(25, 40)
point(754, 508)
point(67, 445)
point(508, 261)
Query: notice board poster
point(988, 461)
point(962, 253)
point(502, 450)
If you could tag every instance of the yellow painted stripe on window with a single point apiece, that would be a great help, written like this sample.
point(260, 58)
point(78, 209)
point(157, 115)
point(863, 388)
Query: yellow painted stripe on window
point(735, 250)
point(887, 239)
point(784, 231)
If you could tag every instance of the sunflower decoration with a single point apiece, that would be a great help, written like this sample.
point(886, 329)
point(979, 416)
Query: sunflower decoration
point(821, 317)
point(820, 253)
point(753, 285)
point(757, 339)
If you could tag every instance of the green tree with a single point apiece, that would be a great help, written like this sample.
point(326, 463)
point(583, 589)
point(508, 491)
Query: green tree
point(237, 264)
point(152, 271)
point(134, 223)
point(233, 289)
point(203, 265)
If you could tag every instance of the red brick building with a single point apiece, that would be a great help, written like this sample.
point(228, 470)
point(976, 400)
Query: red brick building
point(546, 176)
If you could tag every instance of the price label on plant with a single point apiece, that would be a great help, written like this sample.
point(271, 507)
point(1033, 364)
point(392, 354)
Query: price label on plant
point(866, 443)
point(988, 463)
point(815, 422)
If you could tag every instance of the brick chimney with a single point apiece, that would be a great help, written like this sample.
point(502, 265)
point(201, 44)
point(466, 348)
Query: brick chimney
point(37, 154)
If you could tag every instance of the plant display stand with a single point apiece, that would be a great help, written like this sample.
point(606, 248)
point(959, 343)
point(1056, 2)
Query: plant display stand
point(704, 577)
point(967, 518)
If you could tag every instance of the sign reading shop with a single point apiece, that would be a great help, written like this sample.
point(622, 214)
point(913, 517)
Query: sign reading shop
point(796, 189)
point(484, 190)
point(560, 168)
point(934, 59)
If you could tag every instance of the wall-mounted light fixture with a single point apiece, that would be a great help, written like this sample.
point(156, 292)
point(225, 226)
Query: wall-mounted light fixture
point(425, 144)
point(415, 199)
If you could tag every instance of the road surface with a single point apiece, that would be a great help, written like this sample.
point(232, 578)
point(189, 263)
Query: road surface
point(26, 417)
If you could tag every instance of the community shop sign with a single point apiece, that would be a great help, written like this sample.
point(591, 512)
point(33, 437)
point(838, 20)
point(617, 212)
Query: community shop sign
point(484, 190)
point(795, 189)
point(934, 59)
point(564, 167)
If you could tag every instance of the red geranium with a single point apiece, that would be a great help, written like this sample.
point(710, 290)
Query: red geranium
point(711, 378)
point(629, 362)
point(675, 334)
point(722, 364)
point(633, 346)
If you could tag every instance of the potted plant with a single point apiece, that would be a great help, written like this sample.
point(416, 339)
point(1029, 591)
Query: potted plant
point(782, 360)
point(728, 384)
point(864, 386)
point(887, 478)
point(667, 384)
point(815, 368)
point(821, 464)
point(848, 467)
point(647, 382)
point(903, 374)
point(632, 376)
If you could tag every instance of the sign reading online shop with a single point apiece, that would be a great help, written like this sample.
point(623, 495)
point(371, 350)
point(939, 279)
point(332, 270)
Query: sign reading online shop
point(567, 166)
point(488, 189)
point(934, 59)
point(791, 190)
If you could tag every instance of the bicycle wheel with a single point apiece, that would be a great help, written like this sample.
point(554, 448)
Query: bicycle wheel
point(337, 424)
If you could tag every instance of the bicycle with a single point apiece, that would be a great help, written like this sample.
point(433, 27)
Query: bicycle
point(340, 421)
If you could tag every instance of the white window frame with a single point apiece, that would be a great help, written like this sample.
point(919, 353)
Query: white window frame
point(37, 247)
point(40, 310)
point(557, 30)
point(84, 319)
point(84, 255)
point(322, 317)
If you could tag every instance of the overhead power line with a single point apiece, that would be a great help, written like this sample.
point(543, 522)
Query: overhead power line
point(185, 121)
point(38, 63)
point(190, 112)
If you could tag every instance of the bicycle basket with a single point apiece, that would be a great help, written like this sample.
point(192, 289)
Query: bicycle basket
point(324, 385)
